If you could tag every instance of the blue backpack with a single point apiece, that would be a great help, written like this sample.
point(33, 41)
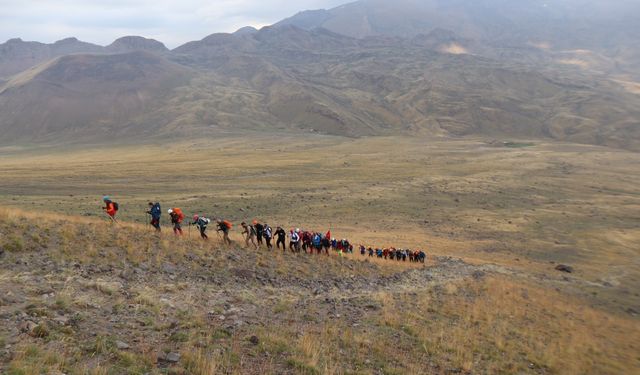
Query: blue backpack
point(156, 211)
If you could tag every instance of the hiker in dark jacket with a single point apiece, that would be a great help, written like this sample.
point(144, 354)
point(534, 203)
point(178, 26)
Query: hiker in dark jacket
point(259, 231)
point(281, 237)
point(155, 211)
point(201, 223)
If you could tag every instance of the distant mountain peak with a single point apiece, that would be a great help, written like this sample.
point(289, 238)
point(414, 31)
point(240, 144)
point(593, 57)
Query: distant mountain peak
point(67, 40)
point(247, 30)
point(136, 43)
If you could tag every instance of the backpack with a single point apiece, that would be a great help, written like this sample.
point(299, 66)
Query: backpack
point(156, 210)
point(115, 206)
point(268, 232)
point(179, 213)
point(227, 224)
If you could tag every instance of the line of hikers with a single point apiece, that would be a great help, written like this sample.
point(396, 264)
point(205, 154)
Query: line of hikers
point(258, 234)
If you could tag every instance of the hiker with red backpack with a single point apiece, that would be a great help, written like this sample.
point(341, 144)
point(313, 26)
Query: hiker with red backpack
point(225, 226)
point(176, 219)
point(110, 208)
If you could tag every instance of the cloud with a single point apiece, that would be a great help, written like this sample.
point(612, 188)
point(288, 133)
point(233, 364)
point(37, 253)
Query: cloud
point(170, 21)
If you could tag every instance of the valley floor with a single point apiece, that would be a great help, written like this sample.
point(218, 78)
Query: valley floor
point(495, 219)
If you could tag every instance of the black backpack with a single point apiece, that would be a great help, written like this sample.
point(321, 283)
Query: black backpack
point(115, 206)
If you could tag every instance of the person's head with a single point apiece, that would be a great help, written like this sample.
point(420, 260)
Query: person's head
point(105, 198)
point(243, 224)
point(297, 230)
point(255, 222)
point(170, 211)
point(150, 204)
point(196, 217)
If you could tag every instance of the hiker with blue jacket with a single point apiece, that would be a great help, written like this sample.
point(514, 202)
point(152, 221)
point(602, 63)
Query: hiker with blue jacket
point(155, 211)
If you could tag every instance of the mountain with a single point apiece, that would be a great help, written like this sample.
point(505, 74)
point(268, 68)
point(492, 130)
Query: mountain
point(443, 70)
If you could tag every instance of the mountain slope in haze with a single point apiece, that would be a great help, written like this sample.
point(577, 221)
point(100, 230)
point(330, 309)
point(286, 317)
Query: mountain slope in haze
point(602, 27)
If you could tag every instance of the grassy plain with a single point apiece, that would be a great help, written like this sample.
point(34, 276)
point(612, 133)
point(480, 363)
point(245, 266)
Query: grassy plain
point(513, 209)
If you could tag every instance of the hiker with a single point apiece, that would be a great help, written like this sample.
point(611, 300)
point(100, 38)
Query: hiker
point(422, 256)
point(155, 211)
point(224, 226)
point(370, 249)
point(176, 219)
point(268, 235)
point(306, 240)
point(250, 234)
point(294, 240)
point(363, 250)
point(326, 244)
point(317, 242)
point(281, 234)
point(111, 208)
point(259, 231)
point(201, 223)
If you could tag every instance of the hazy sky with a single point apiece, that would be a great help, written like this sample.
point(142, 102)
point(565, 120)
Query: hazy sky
point(171, 21)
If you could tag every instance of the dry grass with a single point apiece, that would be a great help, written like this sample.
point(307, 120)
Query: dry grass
point(520, 208)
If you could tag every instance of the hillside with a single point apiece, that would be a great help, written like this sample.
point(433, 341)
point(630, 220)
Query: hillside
point(87, 298)
point(88, 97)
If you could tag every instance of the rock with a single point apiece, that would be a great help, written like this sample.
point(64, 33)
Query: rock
point(169, 268)
point(173, 357)
point(121, 345)
point(27, 327)
point(62, 320)
point(564, 268)
point(254, 340)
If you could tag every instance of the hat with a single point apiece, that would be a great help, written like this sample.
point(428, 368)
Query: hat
point(105, 198)
point(196, 217)
point(170, 211)
point(255, 222)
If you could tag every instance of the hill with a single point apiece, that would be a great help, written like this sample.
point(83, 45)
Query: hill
point(89, 298)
